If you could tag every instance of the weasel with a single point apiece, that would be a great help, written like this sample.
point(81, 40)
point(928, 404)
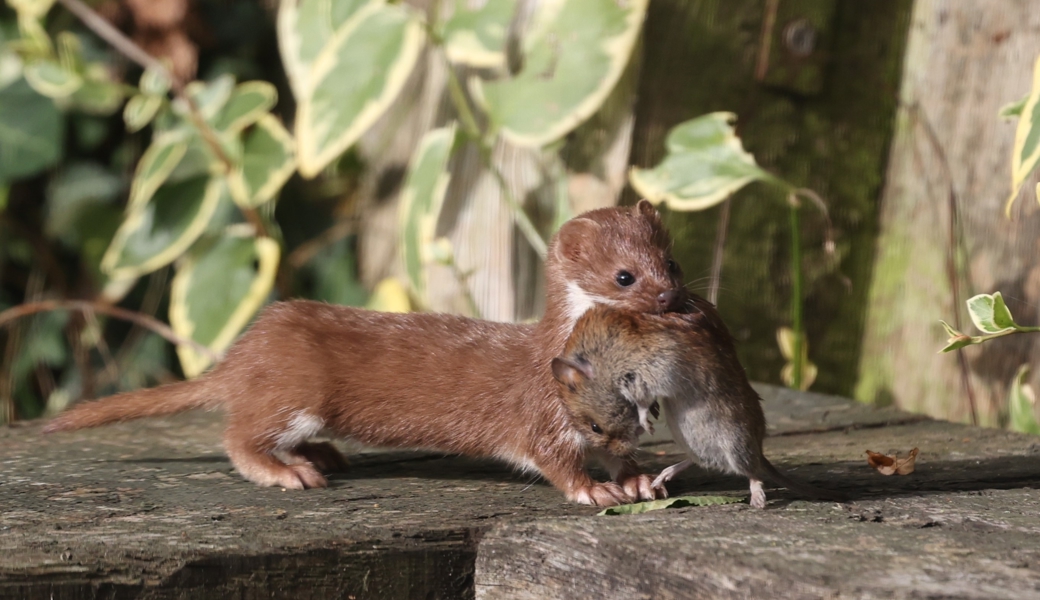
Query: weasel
point(423, 380)
point(687, 361)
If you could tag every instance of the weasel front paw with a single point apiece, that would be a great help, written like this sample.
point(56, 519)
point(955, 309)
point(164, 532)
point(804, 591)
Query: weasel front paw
point(600, 494)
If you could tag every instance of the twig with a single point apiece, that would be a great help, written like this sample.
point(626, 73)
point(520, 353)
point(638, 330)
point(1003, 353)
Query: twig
point(953, 243)
point(23, 310)
point(796, 297)
point(716, 259)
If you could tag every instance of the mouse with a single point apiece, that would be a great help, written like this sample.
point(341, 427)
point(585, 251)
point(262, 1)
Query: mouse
point(687, 362)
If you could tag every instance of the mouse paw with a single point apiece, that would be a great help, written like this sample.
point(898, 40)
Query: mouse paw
point(601, 494)
point(640, 487)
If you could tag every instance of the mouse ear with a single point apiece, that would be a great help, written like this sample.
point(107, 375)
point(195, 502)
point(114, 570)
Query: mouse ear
point(575, 235)
point(646, 209)
point(571, 373)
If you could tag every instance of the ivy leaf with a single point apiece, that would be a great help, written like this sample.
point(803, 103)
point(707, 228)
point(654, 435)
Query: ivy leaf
point(1022, 404)
point(140, 110)
point(352, 82)
point(51, 79)
point(956, 340)
point(575, 53)
point(247, 103)
point(218, 289)
point(990, 314)
point(389, 296)
point(268, 161)
point(304, 29)
point(1026, 151)
point(476, 37)
point(31, 132)
point(678, 502)
point(422, 197)
point(155, 233)
point(705, 164)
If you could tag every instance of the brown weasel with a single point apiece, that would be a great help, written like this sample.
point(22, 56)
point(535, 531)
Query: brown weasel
point(686, 361)
point(423, 380)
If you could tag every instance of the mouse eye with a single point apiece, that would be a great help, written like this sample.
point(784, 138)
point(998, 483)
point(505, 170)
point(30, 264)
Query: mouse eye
point(625, 279)
point(596, 428)
point(673, 267)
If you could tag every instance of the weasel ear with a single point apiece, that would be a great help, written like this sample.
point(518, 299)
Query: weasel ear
point(646, 209)
point(576, 235)
point(571, 373)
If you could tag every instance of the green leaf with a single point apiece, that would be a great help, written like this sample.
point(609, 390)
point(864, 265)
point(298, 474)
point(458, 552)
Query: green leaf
point(990, 314)
point(156, 233)
point(422, 197)
point(575, 55)
point(248, 102)
point(218, 289)
point(32, 132)
point(957, 340)
point(704, 165)
point(679, 502)
point(476, 37)
point(155, 166)
point(154, 82)
point(31, 8)
point(78, 187)
point(1022, 404)
point(268, 161)
point(50, 79)
point(98, 97)
point(1013, 110)
point(389, 296)
point(305, 28)
point(209, 97)
point(1026, 152)
point(355, 78)
point(140, 111)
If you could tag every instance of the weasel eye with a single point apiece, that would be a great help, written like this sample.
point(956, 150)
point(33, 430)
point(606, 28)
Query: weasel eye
point(673, 267)
point(625, 279)
point(596, 429)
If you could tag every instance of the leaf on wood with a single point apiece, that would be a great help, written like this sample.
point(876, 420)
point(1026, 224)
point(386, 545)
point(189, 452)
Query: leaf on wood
point(888, 465)
point(678, 502)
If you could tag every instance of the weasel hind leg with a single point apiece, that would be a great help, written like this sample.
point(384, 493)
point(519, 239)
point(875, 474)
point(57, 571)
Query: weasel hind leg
point(323, 455)
point(258, 465)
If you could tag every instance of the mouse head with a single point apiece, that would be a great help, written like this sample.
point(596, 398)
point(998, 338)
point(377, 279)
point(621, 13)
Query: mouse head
point(596, 406)
point(619, 257)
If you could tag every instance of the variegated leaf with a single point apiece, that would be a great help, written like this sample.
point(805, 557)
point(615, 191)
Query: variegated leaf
point(268, 161)
point(51, 79)
point(304, 29)
point(477, 36)
point(248, 102)
point(140, 110)
point(1026, 152)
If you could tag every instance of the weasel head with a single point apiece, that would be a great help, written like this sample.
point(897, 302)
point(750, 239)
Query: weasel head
point(606, 419)
point(619, 257)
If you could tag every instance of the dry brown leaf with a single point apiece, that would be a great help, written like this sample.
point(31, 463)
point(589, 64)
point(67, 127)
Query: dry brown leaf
point(887, 465)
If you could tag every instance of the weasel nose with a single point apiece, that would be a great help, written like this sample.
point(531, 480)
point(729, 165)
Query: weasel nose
point(667, 300)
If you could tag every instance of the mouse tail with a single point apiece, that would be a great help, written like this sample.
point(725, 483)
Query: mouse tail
point(159, 401)
point(810, 491)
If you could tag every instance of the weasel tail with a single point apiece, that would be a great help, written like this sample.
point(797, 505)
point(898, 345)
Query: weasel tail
point(159, 401)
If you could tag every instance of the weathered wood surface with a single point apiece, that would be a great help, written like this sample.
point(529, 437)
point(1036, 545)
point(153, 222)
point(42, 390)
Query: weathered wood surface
point(964, 61)
point(153, 510)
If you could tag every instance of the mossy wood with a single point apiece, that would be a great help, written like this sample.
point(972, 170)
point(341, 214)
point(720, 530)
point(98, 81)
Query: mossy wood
point(944, 237)
point(830, 134)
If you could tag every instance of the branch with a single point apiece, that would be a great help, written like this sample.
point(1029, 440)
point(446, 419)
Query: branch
point(151, 323)
point(118, 40)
